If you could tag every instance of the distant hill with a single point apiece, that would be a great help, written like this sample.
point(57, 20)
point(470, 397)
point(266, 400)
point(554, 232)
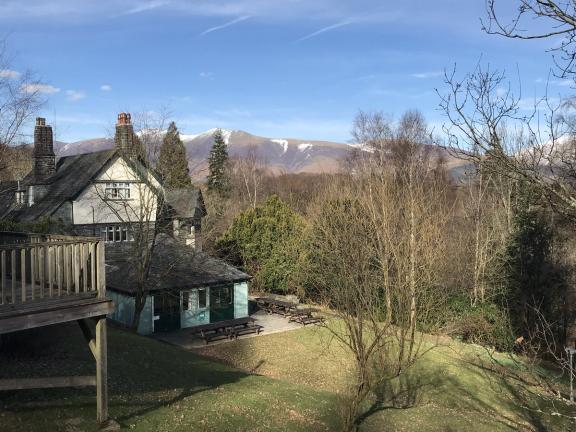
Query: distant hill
point(278, 155)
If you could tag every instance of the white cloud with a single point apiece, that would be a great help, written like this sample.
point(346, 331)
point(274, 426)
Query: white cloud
point(144, 7)
point(39, 88)
point(106, 87)
point(225, 25)
point(9, 73)
point(206, 75)
point(326, 29)
point(424, 75)
point(75, 95)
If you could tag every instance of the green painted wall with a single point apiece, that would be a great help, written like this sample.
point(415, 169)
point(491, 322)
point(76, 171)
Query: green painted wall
point(124, 311)
point(241, 300)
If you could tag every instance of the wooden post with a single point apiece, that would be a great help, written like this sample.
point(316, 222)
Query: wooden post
point(101, 371)
point(93, 267)
point(22, 271)
point(67, 268)
point(101, 270)
point(3, 270)
point(49, 252)
point(58, 257)
point(32, 270)
point(76, 265)
point(13, 263)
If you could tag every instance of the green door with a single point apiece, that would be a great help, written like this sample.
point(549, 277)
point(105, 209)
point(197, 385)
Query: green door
point(221, 303)
point(167, 311)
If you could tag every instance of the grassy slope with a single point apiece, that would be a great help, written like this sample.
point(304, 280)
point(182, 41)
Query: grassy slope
point(156, 387)
point(449, 388)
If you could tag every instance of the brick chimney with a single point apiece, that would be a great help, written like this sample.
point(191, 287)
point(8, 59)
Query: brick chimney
point(44, 158)
point(124, 138)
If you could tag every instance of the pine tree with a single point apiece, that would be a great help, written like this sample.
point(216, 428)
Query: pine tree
point(172, 163)
point(218, 175)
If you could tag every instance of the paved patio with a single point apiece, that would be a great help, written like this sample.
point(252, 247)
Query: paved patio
point(271, 323)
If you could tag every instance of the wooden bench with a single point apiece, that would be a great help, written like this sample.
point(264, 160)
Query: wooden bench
point(304, 316)
point(247, 329)
point(280, 307)
point(226, 329)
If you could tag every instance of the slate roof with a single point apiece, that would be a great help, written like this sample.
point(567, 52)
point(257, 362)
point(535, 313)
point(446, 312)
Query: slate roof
point(174, 266)
point(73, 173)
point(187, 203)
point(7, 192)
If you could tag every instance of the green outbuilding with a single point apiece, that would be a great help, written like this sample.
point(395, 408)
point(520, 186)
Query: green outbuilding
point(184, 288)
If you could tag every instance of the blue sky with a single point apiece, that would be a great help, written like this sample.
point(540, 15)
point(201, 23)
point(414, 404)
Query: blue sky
point(291, 68)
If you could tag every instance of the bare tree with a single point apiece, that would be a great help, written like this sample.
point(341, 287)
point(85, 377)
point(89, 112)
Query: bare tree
point(248, 175)
point(374, 261)
point(558, 19)
point(20, 99)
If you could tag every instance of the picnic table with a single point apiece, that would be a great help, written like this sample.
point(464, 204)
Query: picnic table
point(305, 316)
point(228, 329)
point(271, 305)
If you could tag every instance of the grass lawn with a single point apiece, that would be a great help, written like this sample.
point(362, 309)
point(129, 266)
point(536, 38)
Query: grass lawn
point(153, 387)
point(284, 382)
point(453, 387)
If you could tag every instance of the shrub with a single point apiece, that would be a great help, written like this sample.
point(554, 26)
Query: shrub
point(484, 324)
point(264, 242)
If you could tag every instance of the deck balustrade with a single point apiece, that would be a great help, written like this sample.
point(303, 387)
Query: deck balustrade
point(43, 267)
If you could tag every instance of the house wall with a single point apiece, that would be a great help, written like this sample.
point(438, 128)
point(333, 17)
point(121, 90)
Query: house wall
point(90, 207)
point(195, 316)
point(124, 306)
point(241, 300)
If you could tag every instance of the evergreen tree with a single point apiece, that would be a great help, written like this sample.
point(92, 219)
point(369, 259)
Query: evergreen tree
point(264, 241)
point(218, 175)
point(534, 280)
point(172, 163)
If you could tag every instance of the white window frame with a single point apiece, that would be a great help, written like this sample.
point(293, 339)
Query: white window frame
point(117, 190)
point(116, 233)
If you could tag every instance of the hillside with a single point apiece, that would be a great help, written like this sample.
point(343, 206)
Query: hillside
point(280, 382)
point(278, 155)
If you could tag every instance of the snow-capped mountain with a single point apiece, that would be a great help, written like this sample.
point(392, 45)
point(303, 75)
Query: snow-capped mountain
point(279, 155)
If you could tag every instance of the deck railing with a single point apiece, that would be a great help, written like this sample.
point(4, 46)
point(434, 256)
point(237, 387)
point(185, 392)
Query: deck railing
point(44, 266)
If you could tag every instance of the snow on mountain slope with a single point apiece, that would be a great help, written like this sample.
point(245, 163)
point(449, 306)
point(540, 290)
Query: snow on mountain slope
point(279, 155)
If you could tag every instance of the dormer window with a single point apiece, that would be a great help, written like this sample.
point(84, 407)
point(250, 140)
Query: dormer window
point(116, 190)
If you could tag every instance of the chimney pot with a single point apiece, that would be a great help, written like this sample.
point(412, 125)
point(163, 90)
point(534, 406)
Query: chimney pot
point(124, 139)
point(44, 158)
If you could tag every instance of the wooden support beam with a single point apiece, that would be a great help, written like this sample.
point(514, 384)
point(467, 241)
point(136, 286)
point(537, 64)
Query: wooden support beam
point(3, 270)
point(52, 382)
point(73, 312)
point(101, 371)
point(88, 336)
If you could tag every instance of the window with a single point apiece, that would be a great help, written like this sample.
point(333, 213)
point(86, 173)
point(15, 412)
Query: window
point(116, 233)
point(185, 300)
point(221, 297)
point(113, 190)
point(20, 197)
point(190, 297)
point(201, 298)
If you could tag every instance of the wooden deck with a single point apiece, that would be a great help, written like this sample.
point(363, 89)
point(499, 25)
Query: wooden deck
point(49, 279)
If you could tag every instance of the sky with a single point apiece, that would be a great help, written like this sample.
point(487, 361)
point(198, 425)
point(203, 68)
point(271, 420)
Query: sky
point(281, 69)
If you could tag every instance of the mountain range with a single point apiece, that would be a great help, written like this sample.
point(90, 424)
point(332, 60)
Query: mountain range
point(277, 155)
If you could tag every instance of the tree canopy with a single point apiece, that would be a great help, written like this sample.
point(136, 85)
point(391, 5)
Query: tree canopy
point(218, 166)
point(172, 163)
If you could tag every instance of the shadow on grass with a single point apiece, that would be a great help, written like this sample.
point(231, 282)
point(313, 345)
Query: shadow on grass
point(470, 394)
point(143, 375)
